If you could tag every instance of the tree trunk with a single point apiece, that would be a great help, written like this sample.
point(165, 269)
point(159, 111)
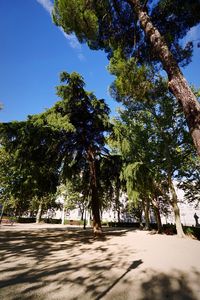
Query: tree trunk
point(63, 215)
point(39, 213)
point(146, 214)
point(177, 83)
point(95, 213)
point(95, 205)
point(88, 218)
point(2, 210)
point(174, 203)
point(157, 214)
point(117, 203)
point(82, 215)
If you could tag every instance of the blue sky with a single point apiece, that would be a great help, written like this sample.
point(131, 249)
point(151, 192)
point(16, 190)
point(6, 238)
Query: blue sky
point(34, 51)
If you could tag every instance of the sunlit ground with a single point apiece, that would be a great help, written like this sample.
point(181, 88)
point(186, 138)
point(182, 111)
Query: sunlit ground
point(58, 262)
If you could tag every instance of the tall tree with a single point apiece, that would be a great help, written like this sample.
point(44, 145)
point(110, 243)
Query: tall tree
point(147, 30)
point(65, 140)
point(155, 133)
point(110, 182)
point(82, 120)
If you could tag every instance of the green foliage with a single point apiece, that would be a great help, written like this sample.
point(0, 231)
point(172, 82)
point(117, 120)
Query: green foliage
point(189, 231)
point(193, 232)
point(153, 140)
point(54, 120)
point(85, 144)
point(138, 181)
point(131, 78)
point(110, 184)
point(190, 180)
point(28, 168)
point(70, 192)
point(84, 21)
point(57, 145)
point(48, 201)
point(113, 24)
point(120, 28)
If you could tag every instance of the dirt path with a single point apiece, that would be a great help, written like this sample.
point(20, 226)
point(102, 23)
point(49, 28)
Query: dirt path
point(56, 262)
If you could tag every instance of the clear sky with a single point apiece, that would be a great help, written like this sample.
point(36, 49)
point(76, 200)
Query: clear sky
point(34, 51)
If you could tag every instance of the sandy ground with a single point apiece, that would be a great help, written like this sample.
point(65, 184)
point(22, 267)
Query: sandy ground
point(57, 262)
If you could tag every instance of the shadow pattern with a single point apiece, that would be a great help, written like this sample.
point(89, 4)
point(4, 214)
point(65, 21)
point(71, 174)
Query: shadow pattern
point(73, 264)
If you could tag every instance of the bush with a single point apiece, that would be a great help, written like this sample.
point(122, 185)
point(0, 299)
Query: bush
point(169, 229)
point(33, 220)
point(192, 231)
point(26, 220)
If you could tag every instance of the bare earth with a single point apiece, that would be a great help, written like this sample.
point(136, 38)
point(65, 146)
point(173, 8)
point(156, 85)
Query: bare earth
point(58, 262)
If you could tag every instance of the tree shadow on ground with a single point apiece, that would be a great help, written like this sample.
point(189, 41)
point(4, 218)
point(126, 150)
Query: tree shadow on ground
point(40, 243)
point(176, 285)
point(153, 285)
point(133, 266)
point(71, 264)
point(37, 263)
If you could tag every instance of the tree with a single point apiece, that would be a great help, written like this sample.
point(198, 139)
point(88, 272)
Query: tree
point(110, 182)
point(65, 140)
point(153, 134)
point(89, 117)
point(190, 183)
point(74, 193)
point(81, 121)
point(147, 30)
point(33, 169)
point(7, 175)
point(130, 136)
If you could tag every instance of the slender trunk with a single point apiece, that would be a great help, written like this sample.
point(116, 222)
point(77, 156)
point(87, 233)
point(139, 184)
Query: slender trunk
point(39, 213)
point(31, 214)
point(146, 213)
point(177, 83)
point(95, 204)
point(88, 218)
point(18, 212)
point(63, 215)
point(157, 214)
point(140, 219)
point(82, 215)
point(118, 216)
point(117, 201)
point(2, 209)
point(174, 203)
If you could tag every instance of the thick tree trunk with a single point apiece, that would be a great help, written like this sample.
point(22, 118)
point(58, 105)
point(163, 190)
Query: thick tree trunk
point(39, 213)
point(95, 205)
point(174, 203)
point(177, 83)
point(95, 213)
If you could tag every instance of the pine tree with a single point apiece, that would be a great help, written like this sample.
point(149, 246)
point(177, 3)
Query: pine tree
point(150, 31)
